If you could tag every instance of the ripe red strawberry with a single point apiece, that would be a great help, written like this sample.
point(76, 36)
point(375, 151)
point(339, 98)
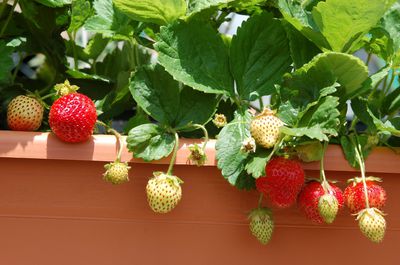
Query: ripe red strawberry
point(354, 195)
point(283, 181)
point(72, 117)
point(24, 114)
point(264, 128)
point(309, 198)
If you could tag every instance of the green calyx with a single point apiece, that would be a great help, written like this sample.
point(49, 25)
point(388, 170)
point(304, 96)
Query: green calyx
point(197, 155)
point(65, 88)
point(116, 172)
point(161, 177)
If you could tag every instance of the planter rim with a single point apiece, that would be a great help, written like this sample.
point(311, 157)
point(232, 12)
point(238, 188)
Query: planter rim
point(39, 145)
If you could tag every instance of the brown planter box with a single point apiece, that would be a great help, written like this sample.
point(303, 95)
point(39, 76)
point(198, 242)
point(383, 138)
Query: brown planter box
point(55, 209)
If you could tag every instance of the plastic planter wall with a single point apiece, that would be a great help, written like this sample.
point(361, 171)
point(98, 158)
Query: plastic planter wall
point(56, 209)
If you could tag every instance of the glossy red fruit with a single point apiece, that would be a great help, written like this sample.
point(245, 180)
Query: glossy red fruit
point(283, 181)
point(355, 199)
point(72, 117)
point(309, 197)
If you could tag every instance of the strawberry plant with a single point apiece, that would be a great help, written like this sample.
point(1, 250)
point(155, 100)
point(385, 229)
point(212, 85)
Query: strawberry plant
point(293, 77)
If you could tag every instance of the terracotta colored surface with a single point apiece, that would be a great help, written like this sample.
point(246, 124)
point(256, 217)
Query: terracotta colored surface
point(60, 212)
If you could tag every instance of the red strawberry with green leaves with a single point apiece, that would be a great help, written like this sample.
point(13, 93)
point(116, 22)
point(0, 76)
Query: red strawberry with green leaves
point(309, 200)
point(24, 113)
point(283, 181)
point(73, 116)
point(355, 198)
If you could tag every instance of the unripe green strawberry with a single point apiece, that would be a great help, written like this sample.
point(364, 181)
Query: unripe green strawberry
point(328, 207)
point(163, 192)
point(116, 172)
point(261, 224)
point(264, 128)
point(372, 224)
point(24, 114)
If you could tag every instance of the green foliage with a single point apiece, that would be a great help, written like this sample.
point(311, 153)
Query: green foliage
point(258, 61)
point(231, 160)
point(195, 55)
point(159, 12)
point(165, 68)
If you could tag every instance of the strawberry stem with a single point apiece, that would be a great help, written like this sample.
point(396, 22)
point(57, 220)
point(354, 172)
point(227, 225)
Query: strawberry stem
point(260, 200)
point(199, 126)
point(173, 158)
point(361, 162)
point(324, 182)
point(117, 135)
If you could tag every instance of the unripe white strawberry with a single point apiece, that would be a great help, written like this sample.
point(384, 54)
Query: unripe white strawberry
point(328, 207)
point(24, 114)
point(372, 224)
point(264, 128)
point(116, 172)
point(261, 224)
point(163, 192)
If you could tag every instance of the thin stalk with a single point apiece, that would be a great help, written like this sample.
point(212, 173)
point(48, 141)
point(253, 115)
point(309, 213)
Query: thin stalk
point(387, 89)
point(173, 158)
point(276, 148)
point(199, 126)
point(74, 51)
point(3, 6)
point(261, 104)
point(3, 29)
point(117, 135)
point(48, 96)
point(361, 162)
point(368, 58)
point(322, 170)
point(260, 200)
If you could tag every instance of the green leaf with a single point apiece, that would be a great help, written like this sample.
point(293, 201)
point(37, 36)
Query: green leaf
point(391, 103)
point(349, 148)
point(301, 19)
point(150, 142)
point(231, 160)
point(6, 62)
point(139, 119)
point(344, 22)
point(195, 107)
point(80, 11)
point(95, 47)
point(257, 163)
point(391, 23)
point(54, 3)
point(195, 55)
point(360, 108)
point(109, 21)
point(324, 116)
point(259, 60)
point(117, 100)
point(313, 132)
point(200, 5)
point(324, 70)
point(364, 113)
point(160, 12)
point(302, 50)
point(81, 75)
point(158, 94)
